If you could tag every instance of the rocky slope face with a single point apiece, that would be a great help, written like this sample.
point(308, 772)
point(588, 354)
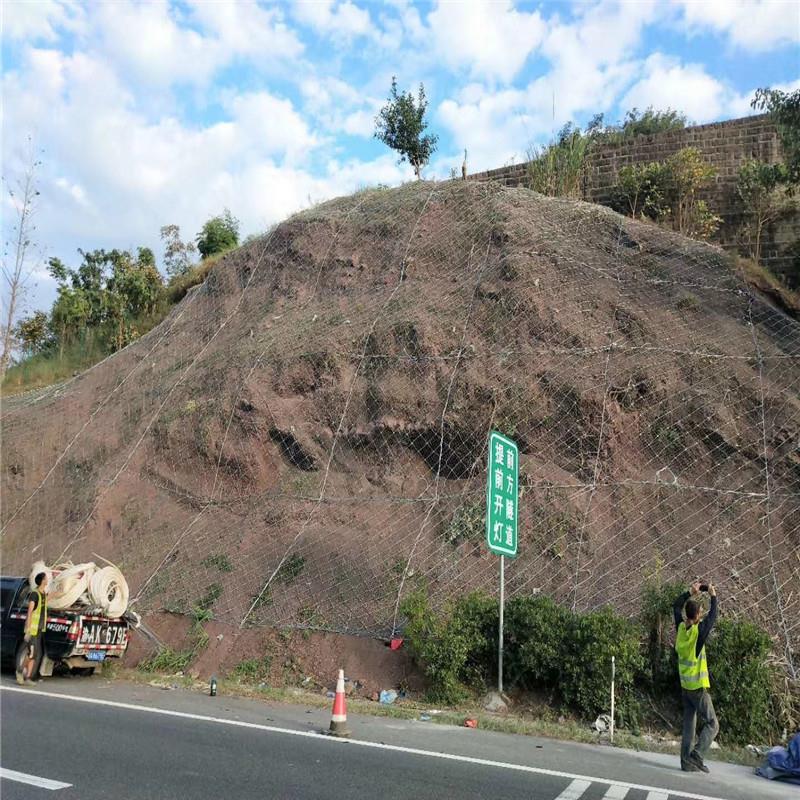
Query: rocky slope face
point(303, 439)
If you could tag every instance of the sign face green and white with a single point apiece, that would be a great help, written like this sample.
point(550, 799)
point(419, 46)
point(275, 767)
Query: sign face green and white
point(501, 495)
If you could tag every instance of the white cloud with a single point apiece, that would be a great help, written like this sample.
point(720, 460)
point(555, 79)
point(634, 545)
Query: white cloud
point(271, 126)
point(667, 83)
point(73, 190)
point(146, 42)
point(39, 21)
point(593, 62)
point(247, 29)
point(492, 40)
point(336, 19)
point(493, 126)
point(754, 25)
point(112, 175)
point(604, 33)
point(159, 45)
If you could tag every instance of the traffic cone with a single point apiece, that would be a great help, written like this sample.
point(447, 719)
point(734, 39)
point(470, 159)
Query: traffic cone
point(339, 716)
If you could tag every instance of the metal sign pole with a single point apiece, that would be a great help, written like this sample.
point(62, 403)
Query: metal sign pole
point(500, 635)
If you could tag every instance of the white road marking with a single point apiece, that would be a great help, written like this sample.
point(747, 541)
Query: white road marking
point(656, 796)
point(615, 792)
point(574, 790)
point(485, 762)
point(32, 780)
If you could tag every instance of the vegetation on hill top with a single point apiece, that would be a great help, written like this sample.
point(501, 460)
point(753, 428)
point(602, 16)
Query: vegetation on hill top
point(108, 301)
point(401, 125)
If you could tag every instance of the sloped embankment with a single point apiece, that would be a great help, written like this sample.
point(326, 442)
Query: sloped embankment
point(302, 439)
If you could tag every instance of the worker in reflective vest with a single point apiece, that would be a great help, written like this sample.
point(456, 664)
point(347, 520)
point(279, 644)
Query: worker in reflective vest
point(35, 624)
point(690, 644)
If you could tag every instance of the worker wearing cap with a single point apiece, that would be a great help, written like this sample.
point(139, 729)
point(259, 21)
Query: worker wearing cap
point(690, 644)
point(35, 624)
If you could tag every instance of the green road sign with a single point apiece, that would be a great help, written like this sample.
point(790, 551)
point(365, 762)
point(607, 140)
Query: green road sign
point(501, 495)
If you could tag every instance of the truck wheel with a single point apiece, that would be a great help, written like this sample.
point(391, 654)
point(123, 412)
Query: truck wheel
point(21, 657)
point(85, 671)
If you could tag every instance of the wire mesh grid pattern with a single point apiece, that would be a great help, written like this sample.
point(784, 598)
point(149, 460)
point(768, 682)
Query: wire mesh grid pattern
point(303, 439)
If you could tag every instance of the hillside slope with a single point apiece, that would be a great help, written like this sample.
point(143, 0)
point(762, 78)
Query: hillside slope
point(303, 439)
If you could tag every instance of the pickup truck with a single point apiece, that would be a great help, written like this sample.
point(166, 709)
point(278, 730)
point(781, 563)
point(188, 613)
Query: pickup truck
point(73, 638)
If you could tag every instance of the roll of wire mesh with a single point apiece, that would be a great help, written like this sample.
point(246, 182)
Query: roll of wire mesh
point(101, 588)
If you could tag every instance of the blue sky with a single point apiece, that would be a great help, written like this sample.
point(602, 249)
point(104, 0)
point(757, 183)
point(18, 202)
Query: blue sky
point(167, 112)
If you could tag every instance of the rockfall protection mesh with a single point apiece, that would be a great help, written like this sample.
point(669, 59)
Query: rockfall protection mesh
point(304, 438)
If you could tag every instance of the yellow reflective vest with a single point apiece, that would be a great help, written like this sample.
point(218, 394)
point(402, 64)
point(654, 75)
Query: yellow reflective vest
point(41, 607)
point(692, 668)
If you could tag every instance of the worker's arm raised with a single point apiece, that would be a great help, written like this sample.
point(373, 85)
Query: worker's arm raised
point(708, 622)
point(677, 609)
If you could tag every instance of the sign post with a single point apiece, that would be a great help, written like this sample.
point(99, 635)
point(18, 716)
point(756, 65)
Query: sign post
point(502, 480)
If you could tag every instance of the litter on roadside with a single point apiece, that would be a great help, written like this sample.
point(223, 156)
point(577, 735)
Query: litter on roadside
point(602, 723)
point(782, 763)
point(424, 717)
point(387, 696)
point(470, 723)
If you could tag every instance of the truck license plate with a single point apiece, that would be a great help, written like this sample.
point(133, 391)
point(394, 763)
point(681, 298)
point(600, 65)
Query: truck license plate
point(96, 655)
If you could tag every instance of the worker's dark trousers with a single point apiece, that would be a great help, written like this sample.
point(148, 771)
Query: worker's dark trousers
point(697, 703)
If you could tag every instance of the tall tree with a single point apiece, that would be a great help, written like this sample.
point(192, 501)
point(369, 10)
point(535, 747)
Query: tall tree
point(401, 125)
point(108, 292)
point(16, 273)
point(178, 255)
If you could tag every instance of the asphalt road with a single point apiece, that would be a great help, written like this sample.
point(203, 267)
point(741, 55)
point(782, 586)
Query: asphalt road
point(128, 741)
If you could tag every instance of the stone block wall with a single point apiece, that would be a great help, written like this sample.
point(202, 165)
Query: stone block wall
point(725, 145)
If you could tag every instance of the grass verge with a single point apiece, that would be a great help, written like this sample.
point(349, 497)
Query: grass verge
point(526, 725)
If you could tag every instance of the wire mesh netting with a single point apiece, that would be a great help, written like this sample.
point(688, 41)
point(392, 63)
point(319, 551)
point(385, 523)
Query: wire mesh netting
point(303, 440)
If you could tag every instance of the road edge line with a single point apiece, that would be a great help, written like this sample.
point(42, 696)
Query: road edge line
point(486, 762)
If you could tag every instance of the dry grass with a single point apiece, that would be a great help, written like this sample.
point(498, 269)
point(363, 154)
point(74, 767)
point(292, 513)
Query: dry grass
point(764, 281)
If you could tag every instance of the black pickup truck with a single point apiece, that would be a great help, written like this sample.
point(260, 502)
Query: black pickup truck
point(73, 638)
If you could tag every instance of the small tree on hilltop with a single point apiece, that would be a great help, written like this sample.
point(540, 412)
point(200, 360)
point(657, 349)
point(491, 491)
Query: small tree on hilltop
point(219, 234)
point(33, 333)
point(401, 125)
point(178, 255)
point(784, 108)
point(766, 197)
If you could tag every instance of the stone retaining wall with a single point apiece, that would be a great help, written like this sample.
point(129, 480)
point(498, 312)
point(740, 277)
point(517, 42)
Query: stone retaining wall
point(725, 145)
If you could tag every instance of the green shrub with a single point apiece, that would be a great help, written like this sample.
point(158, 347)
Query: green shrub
point(557, 169)
point(548, 646)
point(741, 682)
point(219, 234)
point(211, 596)
point(535, 636)
point(659, 629)
point(467, 524)
point(668, 191)
point(641, 191)
point(220, 561)
point(291, 568)
point(687, 302)
point(167, 660)
point(453, 648)
point(592, 640)
point(475, 617)
point(253, 669)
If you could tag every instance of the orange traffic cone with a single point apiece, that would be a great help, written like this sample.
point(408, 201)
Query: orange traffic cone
point(339, 716)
